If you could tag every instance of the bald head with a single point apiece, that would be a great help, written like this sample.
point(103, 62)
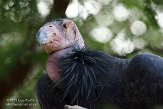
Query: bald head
point(59, 34)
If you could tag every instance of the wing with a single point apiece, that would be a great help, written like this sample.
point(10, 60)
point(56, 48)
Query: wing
point(47, 95)
point(144, 77)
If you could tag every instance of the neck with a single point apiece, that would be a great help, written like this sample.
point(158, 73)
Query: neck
point(52, 67)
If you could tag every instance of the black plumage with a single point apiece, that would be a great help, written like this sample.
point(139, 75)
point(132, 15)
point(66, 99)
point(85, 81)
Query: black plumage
point(90, 78)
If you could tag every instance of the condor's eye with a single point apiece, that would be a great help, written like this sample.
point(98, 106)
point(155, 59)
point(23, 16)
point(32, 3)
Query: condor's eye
point(65, 26)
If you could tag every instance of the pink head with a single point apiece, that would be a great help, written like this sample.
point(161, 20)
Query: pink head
point(59, 34)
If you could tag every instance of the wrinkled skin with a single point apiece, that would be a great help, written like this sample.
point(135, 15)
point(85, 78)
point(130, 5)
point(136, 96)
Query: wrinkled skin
point(59, 35)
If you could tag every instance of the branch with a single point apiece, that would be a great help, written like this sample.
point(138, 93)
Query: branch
point(58, 9)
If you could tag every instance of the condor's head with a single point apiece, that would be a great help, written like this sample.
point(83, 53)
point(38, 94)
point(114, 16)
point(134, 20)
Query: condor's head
point(59, 34)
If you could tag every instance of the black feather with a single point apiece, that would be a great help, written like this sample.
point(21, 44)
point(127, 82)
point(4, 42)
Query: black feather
point(84, 73)
point(93, 77)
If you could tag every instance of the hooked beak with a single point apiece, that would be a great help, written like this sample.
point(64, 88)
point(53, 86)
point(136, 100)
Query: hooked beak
point(41, 37)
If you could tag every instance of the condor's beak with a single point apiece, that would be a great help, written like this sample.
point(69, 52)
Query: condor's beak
point(41, 37)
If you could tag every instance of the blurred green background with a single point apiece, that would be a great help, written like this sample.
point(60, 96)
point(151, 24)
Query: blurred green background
point(120, 28)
